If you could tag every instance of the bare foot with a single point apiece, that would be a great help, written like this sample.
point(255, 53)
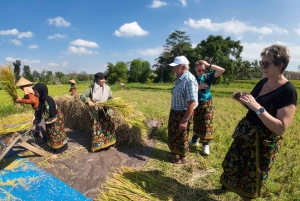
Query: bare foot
point(53, 156)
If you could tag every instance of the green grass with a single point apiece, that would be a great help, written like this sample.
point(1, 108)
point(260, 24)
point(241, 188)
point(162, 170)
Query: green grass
point(199, 179)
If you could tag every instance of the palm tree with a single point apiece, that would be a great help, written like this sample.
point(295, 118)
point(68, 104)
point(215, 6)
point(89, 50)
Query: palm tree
point(257, 72)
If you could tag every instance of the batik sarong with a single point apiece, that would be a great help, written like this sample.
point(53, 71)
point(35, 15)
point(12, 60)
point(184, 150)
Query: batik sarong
point(249, 159)
point(56, 135)
point(103, 131)
point(178, 139)
point(203, 121)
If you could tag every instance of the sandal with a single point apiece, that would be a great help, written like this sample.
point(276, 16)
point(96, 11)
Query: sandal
point(176, 159)
point(184, 159)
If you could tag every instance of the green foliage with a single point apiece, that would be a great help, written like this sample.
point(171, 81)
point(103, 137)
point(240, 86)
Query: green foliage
point(139, 71)
point(17, 69)
point(177, 44)
point(117, 73)
point(36, 76)
point(27, 73)
point(220, 51)
point(244, 70)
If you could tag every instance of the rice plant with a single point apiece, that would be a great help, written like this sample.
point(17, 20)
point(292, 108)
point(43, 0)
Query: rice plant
point(7, 80)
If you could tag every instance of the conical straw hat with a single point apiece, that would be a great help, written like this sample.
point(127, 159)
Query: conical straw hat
point(72, 81)
point(22, 82)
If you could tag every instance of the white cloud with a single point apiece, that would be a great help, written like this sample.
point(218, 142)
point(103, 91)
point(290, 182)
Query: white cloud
point(85, 43)
point(183, 2)
point(28, 61)
point(234, 27)
point(251, 51)
point(56, 36)
point(33, 46)
point(59, 22)
point(297, 30)
point(157, 4)
point(10, 32)
point(23, 61)
point(16, 42)
point(28, 34)
point(151, 51)
point(130, 29)
point(11, 59)
point(64, 64)
point(52, 64)
point(80, 50)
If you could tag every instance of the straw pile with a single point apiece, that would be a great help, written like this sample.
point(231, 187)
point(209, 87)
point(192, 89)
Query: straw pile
point(7, 79)
point(76, 113)
point(128, 184)
point(131, 128)
point(16, 122)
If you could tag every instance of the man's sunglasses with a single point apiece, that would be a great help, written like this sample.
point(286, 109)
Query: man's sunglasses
point(264, 65)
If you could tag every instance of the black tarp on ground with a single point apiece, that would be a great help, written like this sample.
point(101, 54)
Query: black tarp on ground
point(86, 171)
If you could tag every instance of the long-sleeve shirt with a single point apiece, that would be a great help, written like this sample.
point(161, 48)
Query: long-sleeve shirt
point(31, 99)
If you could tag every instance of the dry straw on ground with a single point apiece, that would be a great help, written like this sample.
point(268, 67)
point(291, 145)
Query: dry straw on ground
point(131, 128)
point(129, 184)
point(7, 80)
point(17, 122)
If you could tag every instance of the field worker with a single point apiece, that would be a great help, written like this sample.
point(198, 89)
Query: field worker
point(29, 96)
point(73, 87)
point(103, 130)
point(203, 114)
point(258, 136)
point(184, 101)
point(49, 121)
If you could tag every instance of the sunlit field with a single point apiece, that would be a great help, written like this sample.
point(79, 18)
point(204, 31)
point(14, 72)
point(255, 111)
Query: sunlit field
point(199, 179)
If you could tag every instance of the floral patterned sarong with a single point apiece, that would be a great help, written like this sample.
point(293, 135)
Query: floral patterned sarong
point(56, 135)
point(103, 131)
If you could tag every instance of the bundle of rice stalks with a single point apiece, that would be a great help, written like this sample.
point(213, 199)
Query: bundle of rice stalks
point(16, 122)
point(129, 184)
point(126, 112)
point(7, 79)
point(76, 113)
point(131, 128)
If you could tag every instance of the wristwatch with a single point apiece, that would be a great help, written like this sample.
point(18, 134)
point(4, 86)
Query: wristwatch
point(260, 111)
point(185, 120)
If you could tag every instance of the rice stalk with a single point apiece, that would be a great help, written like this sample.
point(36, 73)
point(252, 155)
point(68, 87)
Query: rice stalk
point(128, 114)
point(128, 184)
point(16, 122)
point(7, 79)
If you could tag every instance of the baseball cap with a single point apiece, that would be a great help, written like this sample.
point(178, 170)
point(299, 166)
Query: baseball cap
point(180, 60)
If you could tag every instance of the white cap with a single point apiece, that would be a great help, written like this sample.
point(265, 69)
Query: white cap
point(180, 60)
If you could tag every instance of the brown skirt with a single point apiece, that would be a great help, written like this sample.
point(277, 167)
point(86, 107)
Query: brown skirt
point(203, 121)
point(178, 139)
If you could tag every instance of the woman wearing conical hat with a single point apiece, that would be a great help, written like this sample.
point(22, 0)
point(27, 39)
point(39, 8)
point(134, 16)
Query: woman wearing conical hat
point(73, 87)
point(29, 96)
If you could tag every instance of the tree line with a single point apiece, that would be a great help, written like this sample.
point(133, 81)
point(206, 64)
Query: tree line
point(215, 49)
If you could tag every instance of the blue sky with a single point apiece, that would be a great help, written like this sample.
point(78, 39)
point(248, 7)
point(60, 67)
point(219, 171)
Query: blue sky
point(83, 35)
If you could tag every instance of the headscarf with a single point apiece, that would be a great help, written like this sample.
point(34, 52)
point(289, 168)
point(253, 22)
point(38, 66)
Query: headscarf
point(43, 92)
